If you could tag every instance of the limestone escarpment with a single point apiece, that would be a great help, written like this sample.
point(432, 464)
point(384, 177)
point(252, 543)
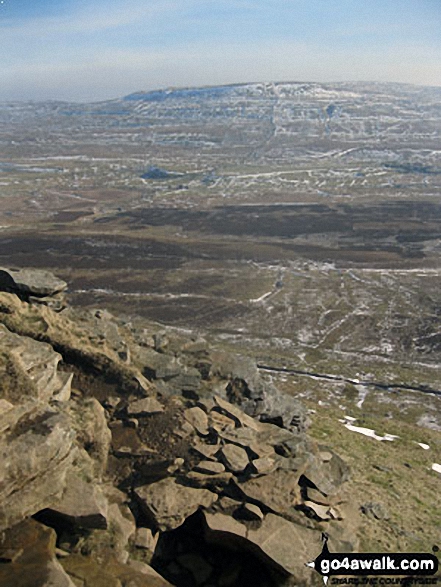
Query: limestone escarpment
point(147, 451)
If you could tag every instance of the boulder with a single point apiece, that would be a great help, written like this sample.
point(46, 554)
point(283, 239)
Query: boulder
point(30, 282)
point(28, 370)
point(82, 504)
point(32, 562)
point(156, 365)
point(144, 407)
point(236, 414)
point(277, 491)
point(168, 503)
point(34, 461)
point(198, 419)
point(280, 543)
point(89, 571)
point(234, 457)
point(90, 424)
point(144, 539)
point(209, 467)
point(327, 476)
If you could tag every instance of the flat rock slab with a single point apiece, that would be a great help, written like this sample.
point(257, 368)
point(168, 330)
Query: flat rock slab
point(234, 457)
point(35, 563)
point(91, 572)
point(278, 491)
point(237, 414)
point(30, 282)
point(198, 419)
point(209, 467)
point(83, 504)
point(169, 504)
point(144, 407)
point(277, 541)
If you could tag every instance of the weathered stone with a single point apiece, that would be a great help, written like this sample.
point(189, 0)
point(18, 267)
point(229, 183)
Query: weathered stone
point(236, 414)
point(122, 526)
point(144, 539)
point(323, 512)
point(263, 466)
point(209, 480)
point(325, 455)
point(375, 510)
point(82, 504)
point(30, 282)
point(126, 442)
point(32, 562)
point(328, 476)
point(143, 407)
point(169, 504)
point(278, 491)
point(185, 430)
point(234, 457)
point(209, 467)
point(206, 450)
point(188, 380)
point(109, 572)
point(63, 387)
point(220, 422)
point(28, 370)
point(284, 545)
point(90, 424)
point(156, 365)
point(244, 437)
point(33, 466)
point(317, 497)
point(198, 419)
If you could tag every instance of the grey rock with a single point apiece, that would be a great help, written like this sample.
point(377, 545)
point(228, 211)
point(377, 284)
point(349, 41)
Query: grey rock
point(156, 365)
point(328, 476)
point(169, 503)
point(375, 510)
point(34, 463)
point(30, 282)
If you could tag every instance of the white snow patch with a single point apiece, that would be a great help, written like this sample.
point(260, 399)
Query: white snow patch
point(436, 467)
point(425, 446)
point(370, 433)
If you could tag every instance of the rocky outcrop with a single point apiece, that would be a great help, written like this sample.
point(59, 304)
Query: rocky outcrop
point(40, 287)
point(30, 282)
point(149, 453)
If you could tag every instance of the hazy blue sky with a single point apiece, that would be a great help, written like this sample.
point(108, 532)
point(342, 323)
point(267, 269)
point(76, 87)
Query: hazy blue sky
point(98, 49)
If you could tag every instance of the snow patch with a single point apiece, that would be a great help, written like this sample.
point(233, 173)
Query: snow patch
point(370, 433)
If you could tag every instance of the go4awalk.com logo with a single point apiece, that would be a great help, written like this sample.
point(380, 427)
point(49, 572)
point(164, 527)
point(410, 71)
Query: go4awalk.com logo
point(406, 566)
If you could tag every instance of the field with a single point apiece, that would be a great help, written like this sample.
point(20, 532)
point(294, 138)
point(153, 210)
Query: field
point(297, 223)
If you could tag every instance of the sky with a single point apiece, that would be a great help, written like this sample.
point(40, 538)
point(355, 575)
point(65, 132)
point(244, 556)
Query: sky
point(91, 50)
